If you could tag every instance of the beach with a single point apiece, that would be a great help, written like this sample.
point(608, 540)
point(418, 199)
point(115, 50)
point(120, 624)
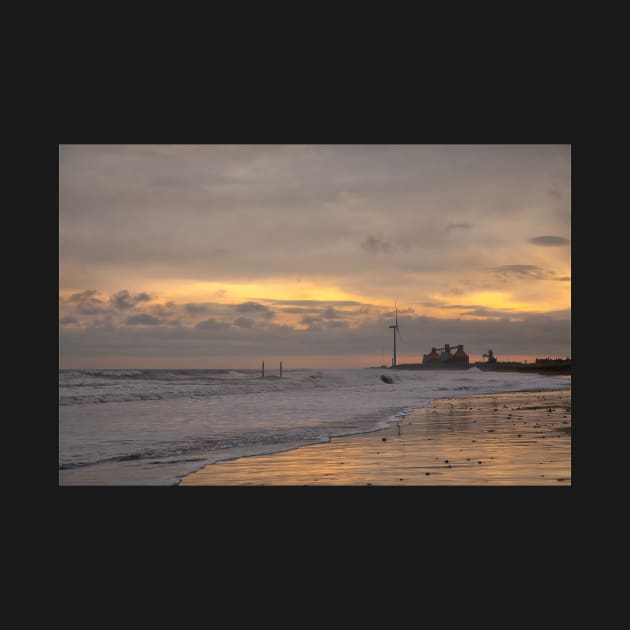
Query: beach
point(516, 438)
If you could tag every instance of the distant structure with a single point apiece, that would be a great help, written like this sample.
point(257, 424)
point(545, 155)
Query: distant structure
point(491, 358)
point(541, 365)
point(443, 358)
point(395, 327)
point(550, 361)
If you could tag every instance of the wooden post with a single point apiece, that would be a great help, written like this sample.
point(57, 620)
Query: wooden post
point(263, 369)
point(280, 369)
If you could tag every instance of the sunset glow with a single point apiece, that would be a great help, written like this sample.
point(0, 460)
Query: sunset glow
point(219, 256)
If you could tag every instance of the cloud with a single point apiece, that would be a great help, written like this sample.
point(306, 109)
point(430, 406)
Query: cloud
point(549, 241)
point(163, 310)
point(317, 303)
point(85, 296)
point(255, 308)
point(330, 313)
point(563, 279)
point(307, 320)
point(244, 322)
point(296, 310)
point(542, 334)
point(198, 309)
point(375, 245)
point(86, 303)
point(254, 212)
point(123, 300)
point(144, 319)
point(522, 271)
point(458, 226)
point(91, 307)
point(366, 223)
point(68, 320)
point(212, 324)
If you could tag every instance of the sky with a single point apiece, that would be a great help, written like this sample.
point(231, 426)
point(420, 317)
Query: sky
point(220, 256)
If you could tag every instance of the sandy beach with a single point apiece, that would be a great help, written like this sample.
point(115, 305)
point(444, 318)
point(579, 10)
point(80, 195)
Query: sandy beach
point(521, 438)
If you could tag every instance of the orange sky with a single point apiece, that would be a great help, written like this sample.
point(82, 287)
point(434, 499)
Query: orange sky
point(180, 255)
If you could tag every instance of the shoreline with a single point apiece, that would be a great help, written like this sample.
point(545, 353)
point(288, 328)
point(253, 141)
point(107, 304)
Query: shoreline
point(507, 438)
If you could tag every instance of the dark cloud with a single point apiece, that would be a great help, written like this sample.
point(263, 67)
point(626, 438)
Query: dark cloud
point(68, 320)
point(144, 319)
point(244, 322)
point(522, 271)
point(458, 226)
point(198, 309)
point(563, 279)
point(91, 307)
point(85, 296)
point(370, 220)
point(166, 310)
point(86, 303)
point(549, 241)
point(123, 300)
point(212, 324)
point(116, 207)
point(296, 310)
point(376, 245)
point(255, 308)
point(543, 334)
point(330, 313)
point(317, 303)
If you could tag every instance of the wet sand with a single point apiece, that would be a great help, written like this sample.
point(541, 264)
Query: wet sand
point(521, 438)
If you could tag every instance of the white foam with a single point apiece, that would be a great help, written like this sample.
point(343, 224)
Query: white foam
point(172, 422)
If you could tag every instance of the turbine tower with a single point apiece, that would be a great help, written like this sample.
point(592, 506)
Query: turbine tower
point(395, 327)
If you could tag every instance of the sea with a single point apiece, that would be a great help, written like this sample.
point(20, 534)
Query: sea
point(154, 426)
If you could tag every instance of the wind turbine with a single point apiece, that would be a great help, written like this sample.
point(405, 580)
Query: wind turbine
point(395, 327)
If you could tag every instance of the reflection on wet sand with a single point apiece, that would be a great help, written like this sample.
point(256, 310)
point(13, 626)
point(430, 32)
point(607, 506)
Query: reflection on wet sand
point(521, 438)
